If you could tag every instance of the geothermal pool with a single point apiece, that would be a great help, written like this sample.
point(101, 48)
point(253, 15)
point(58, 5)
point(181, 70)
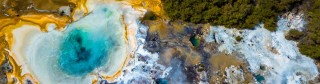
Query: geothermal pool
point(89, 42)
point(95, 43)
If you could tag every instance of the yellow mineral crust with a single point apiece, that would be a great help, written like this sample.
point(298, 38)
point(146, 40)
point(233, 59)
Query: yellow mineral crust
point(16, 66)
point(15, 75)
point(13, 21)
point(151, 5)
point(80, 10)
point(155, 6)
point(44, 19)
point(9, 24)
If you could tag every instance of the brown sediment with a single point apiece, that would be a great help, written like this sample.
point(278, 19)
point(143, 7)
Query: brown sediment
point(16, 8)
point(52, 5)
point(178, 26)
point(12, 8)
point(191, 57)
point(158, 26)
point(221, 61)
point(273, 50)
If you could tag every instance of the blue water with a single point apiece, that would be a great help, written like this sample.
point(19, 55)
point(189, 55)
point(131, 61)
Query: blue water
point(161, 81)
point(88, 42)
point(259, 78)
point(81, 54)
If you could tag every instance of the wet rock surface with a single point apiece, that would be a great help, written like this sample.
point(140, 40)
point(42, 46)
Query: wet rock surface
point(153, 42)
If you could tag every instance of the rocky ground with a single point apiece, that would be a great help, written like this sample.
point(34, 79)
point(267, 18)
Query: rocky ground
point(184, 47)
point(198, 61)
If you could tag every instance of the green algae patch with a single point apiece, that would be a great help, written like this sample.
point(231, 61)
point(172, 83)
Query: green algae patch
point(239, 38)
point(162, 81)
point(259, 78)
point(195, 41)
